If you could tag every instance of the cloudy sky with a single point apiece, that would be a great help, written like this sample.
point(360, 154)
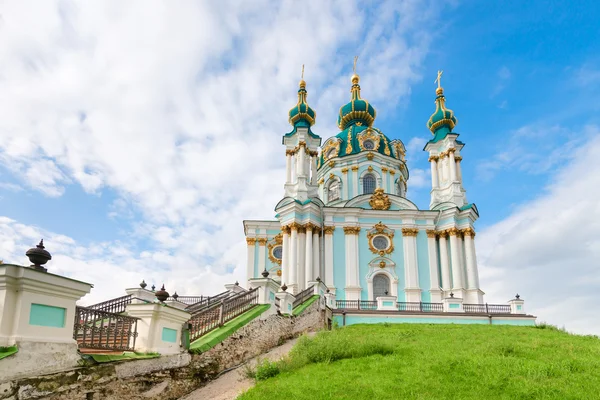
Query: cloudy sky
point(136, 136)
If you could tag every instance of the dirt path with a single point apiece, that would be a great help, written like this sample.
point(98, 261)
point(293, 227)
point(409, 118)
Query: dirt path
point(231, 384)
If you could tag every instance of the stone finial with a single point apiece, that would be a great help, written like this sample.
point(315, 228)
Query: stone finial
point(283, 287)
point(143, 284)
point(517, 296)
point(386, 292)
point(451, 294)
point(318, 279)
point(153, 287)
point(265, 273)
point(175, 296)
point(38, 256)
point(162, 294)
point(237, 283)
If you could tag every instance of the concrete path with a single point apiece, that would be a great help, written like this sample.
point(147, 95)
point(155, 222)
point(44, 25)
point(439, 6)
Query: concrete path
point(231, 384)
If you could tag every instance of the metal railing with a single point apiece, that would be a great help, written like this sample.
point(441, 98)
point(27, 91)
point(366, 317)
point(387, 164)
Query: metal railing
point(357, 304)
point(216, 315)
point(303, 296)
point(189, 300)
point(208, 301)
point(419, 306)
point(97, 329)
point(116, 305)
point(487, 308)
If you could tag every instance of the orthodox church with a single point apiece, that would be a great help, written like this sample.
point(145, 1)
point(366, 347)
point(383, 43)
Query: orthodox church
point(345, 218)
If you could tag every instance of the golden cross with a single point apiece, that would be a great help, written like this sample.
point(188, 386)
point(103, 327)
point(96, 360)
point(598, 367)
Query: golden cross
point(354, 67)
point(439, 79)
point(302, 72)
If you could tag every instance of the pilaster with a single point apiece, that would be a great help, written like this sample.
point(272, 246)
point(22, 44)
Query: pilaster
point(328, 232)
point(251, 242)
point(434, 290)
point(409, 239)
point(352, 281)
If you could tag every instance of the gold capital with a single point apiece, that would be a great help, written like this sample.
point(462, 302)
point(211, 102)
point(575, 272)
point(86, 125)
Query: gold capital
point(431, 233)
point(433, 158)
point(452, 231)
point(351, 230)
point(261, 241)
point(410, 231)
point(458, 158)
point(329, 230)
point(345, 170)
point(392, 172)
point(321, 181)
point(370, 156)
point(285, 229)
point(251, 241)
point(331, 164)
point(468, 232)
point(384, 169)
point(355, 168)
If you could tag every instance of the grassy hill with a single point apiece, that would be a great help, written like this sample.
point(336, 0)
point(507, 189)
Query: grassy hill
point(412, 361)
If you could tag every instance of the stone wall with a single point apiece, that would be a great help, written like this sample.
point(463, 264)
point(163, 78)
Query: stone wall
point(167, 377)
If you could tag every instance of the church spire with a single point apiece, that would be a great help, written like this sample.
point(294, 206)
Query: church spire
point(302, 114)
point(357, 111)
point(442, 121)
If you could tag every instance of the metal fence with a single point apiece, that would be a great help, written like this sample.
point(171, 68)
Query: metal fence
point(97, 329)
point(207, 302)
point(487, 308)
point(216, 315)
point(403, 306)
point(303, 296)
point(116, 305)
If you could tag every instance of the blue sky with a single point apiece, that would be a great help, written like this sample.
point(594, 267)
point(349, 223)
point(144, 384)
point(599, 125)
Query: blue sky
point(135, 137)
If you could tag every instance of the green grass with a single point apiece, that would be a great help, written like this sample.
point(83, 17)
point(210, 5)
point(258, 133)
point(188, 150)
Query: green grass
point(8, 351)
point(215, 337)
point(105, 358)
point(413, 361)
point(298, 310)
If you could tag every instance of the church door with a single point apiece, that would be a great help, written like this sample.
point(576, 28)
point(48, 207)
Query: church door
point(381, 286)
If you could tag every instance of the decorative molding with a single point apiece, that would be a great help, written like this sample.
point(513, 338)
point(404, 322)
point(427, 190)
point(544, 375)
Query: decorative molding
point(328, 230)
point(392, 172)
point(355, 168)
point(285, 229)
point(380, 229)
point(442, 234)
point(251, 241)
point(261, 241)
point(302, 229)
point(370, 168)
point(370, 156)
point(294, 226)
point(431, 233)
point(275, 242)
point(349, 141)
point(379, 200)
point(457, 158)
point(451, 150)
point(331, 144)
point(452, 232)
point(321, 181)
point(351, 230)
point(384, 169)
point(443, 154)
point(290, 152)
point(410, 231)
point(468, 232)
point(331, 176)
point(331, 164)
point(345, 170)
point(369, 134)
point(433, 158)
point(386, 148)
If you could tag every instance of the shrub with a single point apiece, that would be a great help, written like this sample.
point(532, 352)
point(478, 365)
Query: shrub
point(266, 369)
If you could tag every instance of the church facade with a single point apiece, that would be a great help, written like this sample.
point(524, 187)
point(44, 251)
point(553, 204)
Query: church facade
point(345, 218)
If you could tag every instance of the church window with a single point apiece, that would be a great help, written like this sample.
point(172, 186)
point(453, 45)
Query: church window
point(381, 242)
point(381, 286)
point(330, 153)
point(369, 184)
point(334, 191)
point(368, 145)
point(277, 252)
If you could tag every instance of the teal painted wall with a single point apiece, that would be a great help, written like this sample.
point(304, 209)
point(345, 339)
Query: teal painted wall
point(388, 303)
point(169, 335)
point(423, 266)
point(50, 316)
point(339, 263)
point(454, 306)
point(403, 319)
point(421, 222)
point(350, 179)
point(339, 219)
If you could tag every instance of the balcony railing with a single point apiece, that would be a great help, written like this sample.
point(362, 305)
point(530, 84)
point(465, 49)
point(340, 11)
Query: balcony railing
point(424, 307)
point(487, 308)
point(113, 305)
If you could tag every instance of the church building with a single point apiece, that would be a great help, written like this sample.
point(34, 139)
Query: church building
point(345, 218)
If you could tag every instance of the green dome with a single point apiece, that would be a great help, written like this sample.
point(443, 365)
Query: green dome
point(442, 118)
point(357, 110)
point(355, 139)
point(302, 113)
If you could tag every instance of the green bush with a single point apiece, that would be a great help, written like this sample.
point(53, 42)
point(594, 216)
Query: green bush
point(265, 370)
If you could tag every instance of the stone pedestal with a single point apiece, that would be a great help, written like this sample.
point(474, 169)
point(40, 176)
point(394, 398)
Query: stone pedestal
point(141, 295)
point(330, 300)
point(413, 295)
point(387, 303)
point(159, 328)
point(319, 287)
point(286, 302)
point(517, 306)
point(474, 296)
point(453, 305)
point(267, 288)
point(235, 288)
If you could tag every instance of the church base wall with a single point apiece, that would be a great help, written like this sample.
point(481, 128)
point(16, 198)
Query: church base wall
point(380, 317)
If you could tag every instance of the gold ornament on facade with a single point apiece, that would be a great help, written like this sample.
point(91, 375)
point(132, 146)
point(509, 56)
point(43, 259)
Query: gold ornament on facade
point(285, 229)
point(331, 176)
point(321, 181)
point(345, 170)
point(370, 156)
point(431, 233)
point(468, 232)
point(294, 226)
point(278, 272)
point(331, 144)
point(443, 234)
point(261, 241)
point(349, 141)
point(382, 264)
point(290, 152)
point(331, 164)
point(251, 241)
point(457, 158)
point(386, 148)
point(433, 158)
point(443, 155)
point(351, 230)
point(451, 150)
point(328, 230)
point(302, 229)
point(379, 200)
point(384, 169)
point(410, 231)
point(452, 231)
point(355, 168)
point(368, 134)
point(392, 172)
point(275, 242)
point(370, 168)
point(381, 229)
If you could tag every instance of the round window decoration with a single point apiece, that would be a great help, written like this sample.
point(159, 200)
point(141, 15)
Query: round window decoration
point(368, 145)
point(381, 242)
point(277, 252)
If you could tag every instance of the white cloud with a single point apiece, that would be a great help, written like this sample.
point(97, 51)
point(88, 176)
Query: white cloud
point(548, 249)
point(179, 108)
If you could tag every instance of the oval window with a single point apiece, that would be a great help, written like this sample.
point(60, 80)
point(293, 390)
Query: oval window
point(381, 242)
point(277, 252)
point(368, 145)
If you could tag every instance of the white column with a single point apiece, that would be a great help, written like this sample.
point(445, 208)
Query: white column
point(328, 232)
point(250, 258)
point(471, 259)
point(411, 275)
point(445, 266)
point(313, 172)
point(355, 177)
point(308, 258)
point(345, 183)
point(316, 255)
point(457, 281)
point(294, 167)
point(458, 170)
point(301, 258)
point(285, 257)
point(301, 162)
point(452, 163)
point(444, 163)
point(433, 266)
point(384, 180)
point(288, 167)
point(434, 172)
point(293, 256)
point(262, 254)
point(352, 281)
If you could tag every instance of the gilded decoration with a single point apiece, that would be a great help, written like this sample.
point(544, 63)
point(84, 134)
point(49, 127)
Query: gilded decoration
point(468, 232)
point(294, 226)
point(290, 152)
point(333, 144)
point(452, 231)
point(328, 230)
point(251, 241)
point(369, 134)
point(443, 154)
point(392, 172)
point(351, 230)
point(349, 145)
point(370, 156)
point(321, 181)
point(400, 152)
point(331, 176)
point(331, 164)
point(302, 229)
point(384, 169)
point(370, 168)
point(355, 168)
point(285, 229)
point(431, 233)
point(382, 264)
point(278, 272)
point(380, 229)
point(457, 158)
point(386, 149)
point(451, 150)
point(410, 231)
point(275, 242)
point(261, 241)
point(345, 170)
point(433, 158)
point(379, 200)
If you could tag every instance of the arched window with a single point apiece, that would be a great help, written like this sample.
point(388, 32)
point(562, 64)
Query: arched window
point(400, 188)
point(369, 184)
point(333, 192)
point(381, 286)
